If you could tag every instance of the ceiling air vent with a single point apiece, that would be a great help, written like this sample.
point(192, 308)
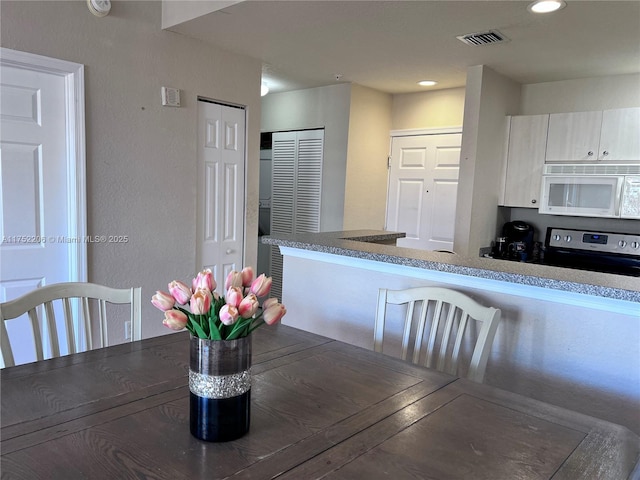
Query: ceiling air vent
point(483, 38)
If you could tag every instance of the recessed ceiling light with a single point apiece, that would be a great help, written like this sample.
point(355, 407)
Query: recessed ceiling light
point(427, 83)
point(546, 6)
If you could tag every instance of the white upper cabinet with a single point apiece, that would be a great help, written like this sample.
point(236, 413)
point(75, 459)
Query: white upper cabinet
point(525, 160)
point(574, 137)
point(620, 136)
point(612, 136)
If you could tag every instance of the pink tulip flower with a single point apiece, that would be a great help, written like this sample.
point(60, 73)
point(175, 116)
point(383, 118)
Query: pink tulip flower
point(163, 301)
point(180, 291)
point(247, 276)
point(204, 279)
point(234, 296)
point(201, 301)
point(228, 314)
point(274, 313)
point(248, 306)
point(268, 302)
point(175, 319)
point(234, 279)
point(261, 286)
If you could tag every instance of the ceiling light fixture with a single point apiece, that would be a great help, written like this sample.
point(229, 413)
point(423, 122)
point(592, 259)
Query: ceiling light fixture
point(546, 6)
point(264, 89)
point(427, 83)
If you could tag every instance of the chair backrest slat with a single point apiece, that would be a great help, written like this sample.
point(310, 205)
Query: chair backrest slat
point(5, 346)
point(455, 354)
point(406, 333)
point(449, 324)
point(444, 342)
point(136, 314)
point(433, 333)
point(37, 335)
point(86, 318)
point(422, 323)
point(102, 314)
point(68, 324)
point(43, 298)
point(52, 329)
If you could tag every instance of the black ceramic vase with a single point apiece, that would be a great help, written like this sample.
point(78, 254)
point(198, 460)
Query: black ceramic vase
point(220, 388)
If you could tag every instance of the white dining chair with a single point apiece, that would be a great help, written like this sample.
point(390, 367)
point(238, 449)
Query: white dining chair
point(440, 327)
point(43, 298)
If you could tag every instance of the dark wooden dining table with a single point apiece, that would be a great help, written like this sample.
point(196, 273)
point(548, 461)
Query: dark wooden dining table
point(319, 409)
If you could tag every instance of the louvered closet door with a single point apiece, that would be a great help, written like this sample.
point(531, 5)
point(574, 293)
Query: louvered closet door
point(296, 190)
point(309, 182)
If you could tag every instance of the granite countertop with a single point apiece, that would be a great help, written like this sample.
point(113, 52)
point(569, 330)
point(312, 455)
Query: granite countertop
point(361, 244)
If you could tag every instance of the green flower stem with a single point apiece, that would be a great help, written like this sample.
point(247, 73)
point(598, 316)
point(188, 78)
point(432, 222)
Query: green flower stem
point(255, 324)
point(214, 332)
point(237, 329)
point(197, 328)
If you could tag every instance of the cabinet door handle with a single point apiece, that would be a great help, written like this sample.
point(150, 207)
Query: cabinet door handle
point(605, 153)
point(534, 201)
point(229, 251)
point(590, 154)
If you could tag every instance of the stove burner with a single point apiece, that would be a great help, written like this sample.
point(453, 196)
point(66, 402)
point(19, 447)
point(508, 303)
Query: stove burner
point(608, 252)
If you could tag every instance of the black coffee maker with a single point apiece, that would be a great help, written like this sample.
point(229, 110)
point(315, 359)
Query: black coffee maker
point(519, 240)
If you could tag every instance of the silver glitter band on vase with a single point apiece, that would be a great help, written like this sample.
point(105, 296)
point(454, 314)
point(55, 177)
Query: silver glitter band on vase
point(219, 386)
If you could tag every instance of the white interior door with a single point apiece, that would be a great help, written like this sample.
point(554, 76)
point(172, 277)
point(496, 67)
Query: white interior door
point(423, 184)
point(221, 161)
point(42, 181)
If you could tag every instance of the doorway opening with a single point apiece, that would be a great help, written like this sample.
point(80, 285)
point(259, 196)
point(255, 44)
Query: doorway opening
point(264, 212)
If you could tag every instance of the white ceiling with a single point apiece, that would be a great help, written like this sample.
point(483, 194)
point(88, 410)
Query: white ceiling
point(391, 45)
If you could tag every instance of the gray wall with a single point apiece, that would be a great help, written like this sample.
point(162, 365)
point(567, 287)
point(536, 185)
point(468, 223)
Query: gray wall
point(141, 157)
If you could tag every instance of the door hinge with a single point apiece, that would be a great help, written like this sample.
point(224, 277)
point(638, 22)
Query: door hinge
point(389, 162)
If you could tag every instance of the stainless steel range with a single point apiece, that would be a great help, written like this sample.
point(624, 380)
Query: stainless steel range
point(607, 252)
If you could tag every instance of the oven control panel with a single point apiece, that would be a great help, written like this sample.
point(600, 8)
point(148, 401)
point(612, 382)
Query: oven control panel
point(606, 242)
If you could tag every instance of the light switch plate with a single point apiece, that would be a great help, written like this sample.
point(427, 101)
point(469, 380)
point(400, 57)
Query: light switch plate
point(170, 97)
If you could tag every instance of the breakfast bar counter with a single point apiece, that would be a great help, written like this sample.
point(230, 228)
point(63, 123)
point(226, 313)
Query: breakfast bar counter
point(373, 245)
point(568, 337)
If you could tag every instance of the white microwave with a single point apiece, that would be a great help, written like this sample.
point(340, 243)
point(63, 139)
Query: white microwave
point(591, 190)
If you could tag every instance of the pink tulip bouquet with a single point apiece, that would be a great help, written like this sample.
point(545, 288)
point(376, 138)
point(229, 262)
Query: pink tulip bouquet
point(216, 317)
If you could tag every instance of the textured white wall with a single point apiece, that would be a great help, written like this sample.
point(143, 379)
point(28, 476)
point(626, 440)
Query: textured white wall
point(366, 183)
point(489, 98)
point(436, 109)
point(324, 107)
point(581, 95)
point(141, 157)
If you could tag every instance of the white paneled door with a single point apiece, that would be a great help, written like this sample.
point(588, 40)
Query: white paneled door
point(423, 184)
point(221, 160)
point(42, 179)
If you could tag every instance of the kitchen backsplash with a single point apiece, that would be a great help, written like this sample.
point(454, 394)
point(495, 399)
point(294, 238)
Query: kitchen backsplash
point(541, 222)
